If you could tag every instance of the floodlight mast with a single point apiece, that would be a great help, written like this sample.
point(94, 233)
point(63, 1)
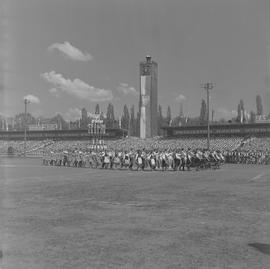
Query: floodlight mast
point(26, 102)
point(208, 86)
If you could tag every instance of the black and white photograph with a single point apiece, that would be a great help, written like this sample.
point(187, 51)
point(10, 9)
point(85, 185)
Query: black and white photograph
point(134, 134)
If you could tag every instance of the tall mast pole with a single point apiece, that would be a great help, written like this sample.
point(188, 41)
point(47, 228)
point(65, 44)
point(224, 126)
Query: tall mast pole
point(208, 86)
point(26, 102)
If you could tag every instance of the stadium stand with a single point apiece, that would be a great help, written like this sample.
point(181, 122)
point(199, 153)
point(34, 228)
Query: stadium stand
point(37, 147)
point(236, 149)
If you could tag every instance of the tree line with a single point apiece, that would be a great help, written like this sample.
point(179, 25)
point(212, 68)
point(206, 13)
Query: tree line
point(242, 116)
point(130, 120)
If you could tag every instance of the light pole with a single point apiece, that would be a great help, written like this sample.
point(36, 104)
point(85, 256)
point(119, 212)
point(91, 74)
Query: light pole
point(26, 102)
point(208, 86)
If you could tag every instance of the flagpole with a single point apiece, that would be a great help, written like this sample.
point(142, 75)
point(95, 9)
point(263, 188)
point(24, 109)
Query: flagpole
point(26, 102)
point(208, 86)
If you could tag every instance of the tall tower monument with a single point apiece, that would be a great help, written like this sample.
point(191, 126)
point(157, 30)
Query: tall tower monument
point(148, 98)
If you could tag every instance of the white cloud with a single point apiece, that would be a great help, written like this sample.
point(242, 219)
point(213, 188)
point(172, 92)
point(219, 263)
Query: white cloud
point(55, 92)
point(37, 112)
point(72, 114)
point(77, 88)
point(126, 89)
point(5, 115)
point(225, 113)
point(71, 52)
point(234, 113)
point(180, 98)
point(32, 98)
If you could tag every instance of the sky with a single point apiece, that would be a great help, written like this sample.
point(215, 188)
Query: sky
point(64, 55)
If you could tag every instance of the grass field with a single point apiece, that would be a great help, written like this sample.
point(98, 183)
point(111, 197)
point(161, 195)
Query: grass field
point(57, 217)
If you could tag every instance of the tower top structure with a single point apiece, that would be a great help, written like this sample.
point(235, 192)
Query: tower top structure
point(148, 58)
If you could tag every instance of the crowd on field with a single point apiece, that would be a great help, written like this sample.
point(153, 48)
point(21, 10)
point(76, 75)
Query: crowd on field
point(178, 159)
point(248, 157)
point(251, 151)
point(234, 149)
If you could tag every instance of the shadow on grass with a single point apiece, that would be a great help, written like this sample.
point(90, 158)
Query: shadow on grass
point(264, 248)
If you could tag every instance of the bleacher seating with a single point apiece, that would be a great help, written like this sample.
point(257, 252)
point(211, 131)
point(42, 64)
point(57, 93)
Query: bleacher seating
point(221, 143)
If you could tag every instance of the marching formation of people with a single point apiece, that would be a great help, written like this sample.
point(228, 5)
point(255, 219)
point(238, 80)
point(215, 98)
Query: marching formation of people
point(248, 157)
point(254, 150)
point(178, 159)
point(172, 153)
